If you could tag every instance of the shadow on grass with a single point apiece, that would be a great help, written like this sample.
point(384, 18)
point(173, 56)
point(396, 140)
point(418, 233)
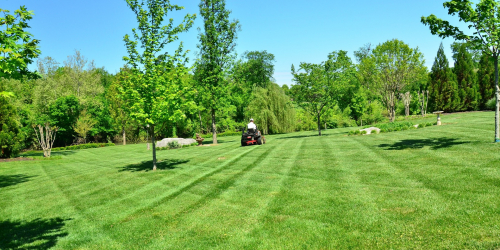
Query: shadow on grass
point(302, 136)
point(53, 153)
point(10, 180)
point(148, 165)
point(36, 234)
point(433, 143)
point(219, 141)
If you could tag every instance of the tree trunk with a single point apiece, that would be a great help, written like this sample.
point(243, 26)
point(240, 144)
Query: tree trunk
point(214, 132)
point(123, 135)
point(497, 94)
point(201, 125)
point(319, 124)
point(154, 146)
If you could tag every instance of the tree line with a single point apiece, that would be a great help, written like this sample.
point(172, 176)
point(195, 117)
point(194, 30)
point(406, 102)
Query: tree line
point(157, 95)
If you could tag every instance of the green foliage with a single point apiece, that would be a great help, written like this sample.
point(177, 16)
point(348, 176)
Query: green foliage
point(320, 86)
point(84, 146)
point(484, 18)
point(217, 42)
point(10, 136)
point(226, 133)
point(272, 110)
point(63, 114)
point(304, 120)
point(443, 88)
point(398, 67)
point(84, 124)
point(17, 47)
point(151, 90)
point(486, 79)
point(464, 69)
point(374, 113)
point(173, 145)
point(491, 104)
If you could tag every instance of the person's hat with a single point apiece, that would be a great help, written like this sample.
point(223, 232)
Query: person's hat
point(251, 119)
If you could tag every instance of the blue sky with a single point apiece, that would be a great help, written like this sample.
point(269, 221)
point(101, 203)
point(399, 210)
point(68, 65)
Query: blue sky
point(293, 30)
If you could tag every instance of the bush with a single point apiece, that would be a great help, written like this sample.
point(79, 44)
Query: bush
point(10, 134)
point(173, 145)
point(227, 133)
point(491, 103)
point(363, 132)
point(84, 146)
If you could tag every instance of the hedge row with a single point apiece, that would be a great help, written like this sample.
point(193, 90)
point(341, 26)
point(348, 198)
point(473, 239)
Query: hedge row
point(84, 146)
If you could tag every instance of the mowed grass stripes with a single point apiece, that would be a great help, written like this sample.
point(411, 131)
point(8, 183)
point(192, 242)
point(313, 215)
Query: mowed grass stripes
point(430, 188)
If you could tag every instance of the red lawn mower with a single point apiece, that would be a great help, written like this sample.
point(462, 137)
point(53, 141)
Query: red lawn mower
point(251, 137)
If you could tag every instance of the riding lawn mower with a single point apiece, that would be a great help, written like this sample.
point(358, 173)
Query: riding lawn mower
point(252, 137)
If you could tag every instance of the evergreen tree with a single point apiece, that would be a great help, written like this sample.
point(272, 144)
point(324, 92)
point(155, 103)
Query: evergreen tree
point(443, 89)
point(466, 79)
point(486, 78)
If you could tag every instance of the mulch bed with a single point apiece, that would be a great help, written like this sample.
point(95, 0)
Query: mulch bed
point(16, 159)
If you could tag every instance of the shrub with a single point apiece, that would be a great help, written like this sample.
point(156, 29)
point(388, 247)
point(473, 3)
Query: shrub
point(173, 145)
point(491, 103)
point(363, 132)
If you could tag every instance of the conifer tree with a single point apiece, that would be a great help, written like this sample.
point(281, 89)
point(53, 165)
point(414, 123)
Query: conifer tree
point(486, 78)
point(466, 79)
point(443, 88)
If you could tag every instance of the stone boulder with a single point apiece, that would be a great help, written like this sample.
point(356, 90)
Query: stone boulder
point(370, 130)
point(182, 141)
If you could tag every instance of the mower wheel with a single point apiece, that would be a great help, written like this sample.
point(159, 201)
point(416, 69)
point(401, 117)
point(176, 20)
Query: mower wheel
point(259, 141)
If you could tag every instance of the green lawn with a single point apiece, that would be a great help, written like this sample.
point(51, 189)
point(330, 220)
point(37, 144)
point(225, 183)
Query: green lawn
point(431, 188)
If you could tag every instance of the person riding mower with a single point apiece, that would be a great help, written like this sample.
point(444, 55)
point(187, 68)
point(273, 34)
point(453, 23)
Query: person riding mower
point(252, 136)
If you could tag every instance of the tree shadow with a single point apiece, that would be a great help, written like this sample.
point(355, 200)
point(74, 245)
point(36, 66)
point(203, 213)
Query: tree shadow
point(301, 136)
point(36, 234)
point(53, 153)
point(10, 180)
point(148, 165)
point(433, 143)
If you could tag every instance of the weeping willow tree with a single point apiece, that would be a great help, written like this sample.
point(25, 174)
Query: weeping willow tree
point(272, 110)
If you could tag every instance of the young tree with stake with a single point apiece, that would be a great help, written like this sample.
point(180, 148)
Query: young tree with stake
point(485, 20)
point(151, 91)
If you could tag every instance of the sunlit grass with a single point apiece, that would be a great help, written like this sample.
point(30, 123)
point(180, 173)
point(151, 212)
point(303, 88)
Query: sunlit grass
point(430, 188)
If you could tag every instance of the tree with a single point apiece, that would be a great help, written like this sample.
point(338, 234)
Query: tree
point(63, 114)
point(443, 89)
point(217, 42)
point(83, 125)
point(397, 66)
point(152, 89)
point(17, 47)
point(46, 138)
point(486, 78)
point(466, 78)
point(116, 103)
point(272, 109)
point(10, 136)
point(366, 69)
point(320, 86)
point(484, 18)
point(254, 70)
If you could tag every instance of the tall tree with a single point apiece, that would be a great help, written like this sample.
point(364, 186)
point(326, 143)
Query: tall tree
point(466, 78)
point(151, 93)
point(17, 46)
point(486, 78)
point(484, 18)
point(397, 66)
point(254, 70)
point(272, 109)
point(217, 42)
point(443, 88)
point(320, 86)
